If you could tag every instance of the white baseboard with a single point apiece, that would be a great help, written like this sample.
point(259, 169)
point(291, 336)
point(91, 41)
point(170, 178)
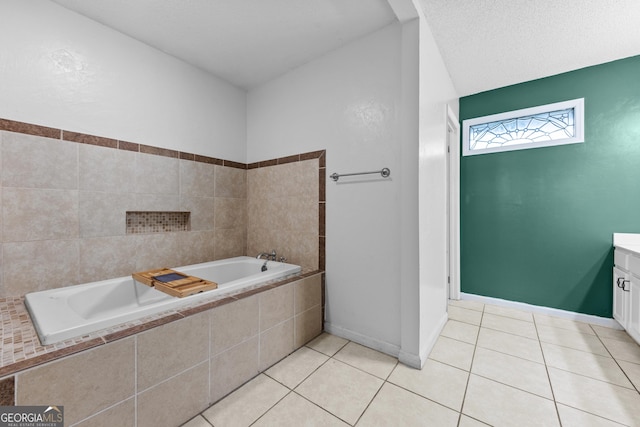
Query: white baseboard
point(381, 346)
point(571, 315)
point(418, 361)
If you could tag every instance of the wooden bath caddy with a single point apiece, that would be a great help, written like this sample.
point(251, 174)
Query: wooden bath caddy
point(173, 282)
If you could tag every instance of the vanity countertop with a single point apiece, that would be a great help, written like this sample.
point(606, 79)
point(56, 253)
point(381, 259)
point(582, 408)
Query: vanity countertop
point(627, 241)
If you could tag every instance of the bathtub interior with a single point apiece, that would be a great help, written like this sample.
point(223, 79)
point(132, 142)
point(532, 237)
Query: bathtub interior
point(60, 314)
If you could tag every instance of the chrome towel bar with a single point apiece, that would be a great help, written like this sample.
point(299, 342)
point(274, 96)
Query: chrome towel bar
point(385, 173)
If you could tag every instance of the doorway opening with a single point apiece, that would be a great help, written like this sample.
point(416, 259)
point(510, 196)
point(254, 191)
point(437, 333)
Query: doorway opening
point(453, 205)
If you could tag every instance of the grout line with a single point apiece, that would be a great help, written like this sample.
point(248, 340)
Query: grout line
point(473, 356)
point(618, 365)
point(272, 406)
point(135, 380)
point(102, 411)
point(293, 390)
point(209, 356)
point(546, 368)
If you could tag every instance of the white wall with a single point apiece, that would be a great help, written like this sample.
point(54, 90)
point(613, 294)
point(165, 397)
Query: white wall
point(436, 92)
point(350, 103)
point(62, 70)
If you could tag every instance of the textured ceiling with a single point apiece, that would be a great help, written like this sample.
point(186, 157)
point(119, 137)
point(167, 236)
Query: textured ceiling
point(488, 44)
point(485, 44)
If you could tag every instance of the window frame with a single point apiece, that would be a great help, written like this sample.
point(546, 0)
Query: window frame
point(578, 119)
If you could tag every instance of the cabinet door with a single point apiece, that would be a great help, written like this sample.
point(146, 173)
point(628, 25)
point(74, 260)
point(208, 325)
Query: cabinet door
point(621, 297)
point(633, 310)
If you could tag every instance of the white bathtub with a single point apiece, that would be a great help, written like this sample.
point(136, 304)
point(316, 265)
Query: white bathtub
point(63, 313)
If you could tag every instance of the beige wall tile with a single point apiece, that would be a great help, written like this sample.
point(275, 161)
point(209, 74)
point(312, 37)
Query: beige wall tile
point(84, 383)
point(202, 217)
point(121, 415)
point(234, 367)
point(175, 401)
point(308, 325)
point(196, 246)
point(285, 180)
point(265, 239)
point(106, 169)
point(157, 202)
point(37, 162)
point(3, 291)
point(230, 242)
point(308, 293)
point(156, 250)
point(233, 323)
point(172, 348)
point(298, 248)
point(157, 174)
point(37, 214)
point(106, 257)
point(302, 215)
point(197, 179)
point(260, 183)
point(276, 344)
point(230, 182)
point(103, 214)
point(55, 260)
point(307, 172)
point(230, 213)
point(302, 249)
point(276, 306)
point(290, 193)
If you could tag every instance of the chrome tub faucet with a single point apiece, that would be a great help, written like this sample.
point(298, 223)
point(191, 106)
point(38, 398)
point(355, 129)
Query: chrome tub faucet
point(270, 256)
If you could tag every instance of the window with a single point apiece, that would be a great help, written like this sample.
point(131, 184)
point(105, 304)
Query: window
point(544, 126)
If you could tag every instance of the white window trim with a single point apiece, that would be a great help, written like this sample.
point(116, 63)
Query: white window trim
point(576, 104)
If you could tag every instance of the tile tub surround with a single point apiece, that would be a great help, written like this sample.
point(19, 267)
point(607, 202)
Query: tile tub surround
point(229, 341)
point(64, 195)
point(283, 210)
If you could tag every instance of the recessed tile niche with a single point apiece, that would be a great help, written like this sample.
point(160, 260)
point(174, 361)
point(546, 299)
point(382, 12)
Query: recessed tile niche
point(157, 222)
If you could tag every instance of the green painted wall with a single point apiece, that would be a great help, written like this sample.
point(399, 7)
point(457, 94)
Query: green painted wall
point(537, 225)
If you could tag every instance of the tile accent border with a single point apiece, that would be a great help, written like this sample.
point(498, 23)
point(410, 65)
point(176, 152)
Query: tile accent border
point(82, 138)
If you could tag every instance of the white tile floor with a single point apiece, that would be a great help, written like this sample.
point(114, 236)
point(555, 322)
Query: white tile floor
point(490, 366)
